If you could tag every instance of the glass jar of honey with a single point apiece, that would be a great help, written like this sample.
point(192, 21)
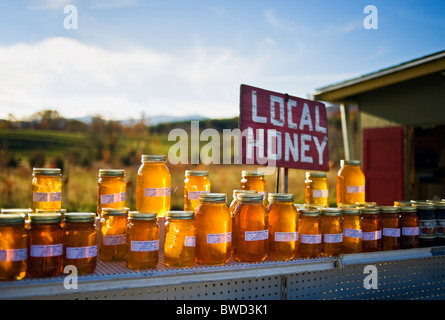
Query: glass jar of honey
point(409, 224)
point(153, 185)
point(350, 183)
point(46, 189)
point(45, 245)
point(440, 220)
point(427, 223)
point(309, 232)
point(111, 189)
point(371, 229)
point(391, 228)
point(352, 230)
point(254, 180)
point(332, 231)
point(113, 234)
point(180, 239)
point(235, 199)
point(282, 223)
point(25, 211)
point(316, 189)
point(80, 241)
point(196, 183)
point(13, 246)
point(213, 223)
point(142, 240)
point(249, 225)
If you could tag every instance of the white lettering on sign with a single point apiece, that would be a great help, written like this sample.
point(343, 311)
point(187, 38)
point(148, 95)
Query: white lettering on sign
point(283, 131)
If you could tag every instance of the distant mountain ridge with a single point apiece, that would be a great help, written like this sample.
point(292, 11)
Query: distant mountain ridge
point(150, 121)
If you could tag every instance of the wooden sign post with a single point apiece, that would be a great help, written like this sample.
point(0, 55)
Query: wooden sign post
point(282, 131)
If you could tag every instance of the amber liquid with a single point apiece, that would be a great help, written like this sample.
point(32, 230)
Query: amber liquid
point(52, 186)
point(45, 235)
point(309, 226)
point(80, 235)
point(179, 247)
point(391, 221)
point(282, 218)
point(113, 245)
point(371, 224)
point(153, 185)
point(409, 222)
point(331, 226)
point(353, 242)
point(110, 186)
point(193, 186)
point(321, 194)
point(254, 183)
point(248, 219)
point(142, 231)
point(213, 233)
point(350, 185)
point(13, 237)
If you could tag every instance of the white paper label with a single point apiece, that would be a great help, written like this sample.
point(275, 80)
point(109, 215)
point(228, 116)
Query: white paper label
point(115, 240)
point(194, 195)
point(333, 237)
point(46, 196)
point(286, 236)
point(256, 235)
point(81, 252)
point(410, 231)
point(145, 246)
point(320, 193)
point(189, 241)
point(370, 236)
point(219, 237)
point(310, 238)
point(355, 189)
point(157, 192)
point(52, 250)
point(112, 198)
point(352, 233)
point(13, 254)
point(391, 232)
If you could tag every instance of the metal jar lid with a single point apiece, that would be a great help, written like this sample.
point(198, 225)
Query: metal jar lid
point(111, 172)
point(423, 205)
point(196, 173)
point(42, 218)
point(236, 192)
point(142, 215)
point(285, 197)
point(182, 215)
point(16, 210)
point(370, 210)
point(315, 174)
point(350, 211)
point(407, 209)
point(389, 209)
point(331, 211)
point(310, 212)
point(80, 217)
point(246, 173)
point(212, 197)
point(250, 197)
point(12, 219)
point(153, 158)
point(46, 171)
point(115, 211)
point(350, 162)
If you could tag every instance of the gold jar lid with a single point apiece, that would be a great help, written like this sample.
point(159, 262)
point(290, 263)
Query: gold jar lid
point(80, 217)
point(370, 210)
point(423, 204)
point(212, 197)
point(439, 204)
point(153, 158)
point(400, 203)
point(310, 212)
point(350, 162)
point(115, 211)
point(111, 172)
point(142, 215)
point(350, 210)
point(183, 215)
point(315, 174)
point(12, 218)
point(368, 204)
point(403, 209)
point(196, 173)
point(285, 197)
point(389, 209)
point(42, 218)
point(16, 210)
point(331, 211)
point(46, 171)
point(249, 197)
point(246, 173)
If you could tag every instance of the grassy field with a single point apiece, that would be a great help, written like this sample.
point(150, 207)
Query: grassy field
point(80, 181)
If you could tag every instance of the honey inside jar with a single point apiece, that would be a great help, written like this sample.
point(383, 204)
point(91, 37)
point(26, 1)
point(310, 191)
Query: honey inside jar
point(113, 234)
point(371, 229)
point(80, 241)
point(350, 183)
point(153, 185)
point(46, 189)
point(250, 234)
point(13, 246)
point(142, 240)
point(213, 223)
point(111, 189)
point(180, 239)
point(309, 232)
point(234, 202)
point(254, 180)
point(332, 231)
point(391, 228)
point(282, 223)
point(316, 189)
point(196, 183)
point(352, 230)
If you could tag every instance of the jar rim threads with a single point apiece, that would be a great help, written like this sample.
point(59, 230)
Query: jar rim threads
point(80, 216)
point(12, 218)
point(212, 197)
point(285, 197)
point(250, 197)
point(248, 173)
point(39, 218)
point(153, 158)
point(180, 214)
point(196, 173)
point(47, 171)
point(115, 211)
point(142, 215)
point(111, 172)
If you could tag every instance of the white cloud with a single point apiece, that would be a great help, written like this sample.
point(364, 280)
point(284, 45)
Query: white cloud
point(278, 23)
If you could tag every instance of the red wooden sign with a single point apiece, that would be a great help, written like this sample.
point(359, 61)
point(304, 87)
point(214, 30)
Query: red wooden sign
point(279, 130)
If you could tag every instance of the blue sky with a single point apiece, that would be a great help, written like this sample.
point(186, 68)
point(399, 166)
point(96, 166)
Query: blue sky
point(129, 57)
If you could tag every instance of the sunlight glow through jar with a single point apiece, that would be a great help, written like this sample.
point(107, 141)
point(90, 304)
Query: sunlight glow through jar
point(111, 189)
point(350, 183)
point(196, 183)
point(352, 230)
point(254, 180)
point(316, 189)
point(332, 231)
point(153, 185)
point(46, 189)
point(309, 232)
point(180, 239)
point(113, 234)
